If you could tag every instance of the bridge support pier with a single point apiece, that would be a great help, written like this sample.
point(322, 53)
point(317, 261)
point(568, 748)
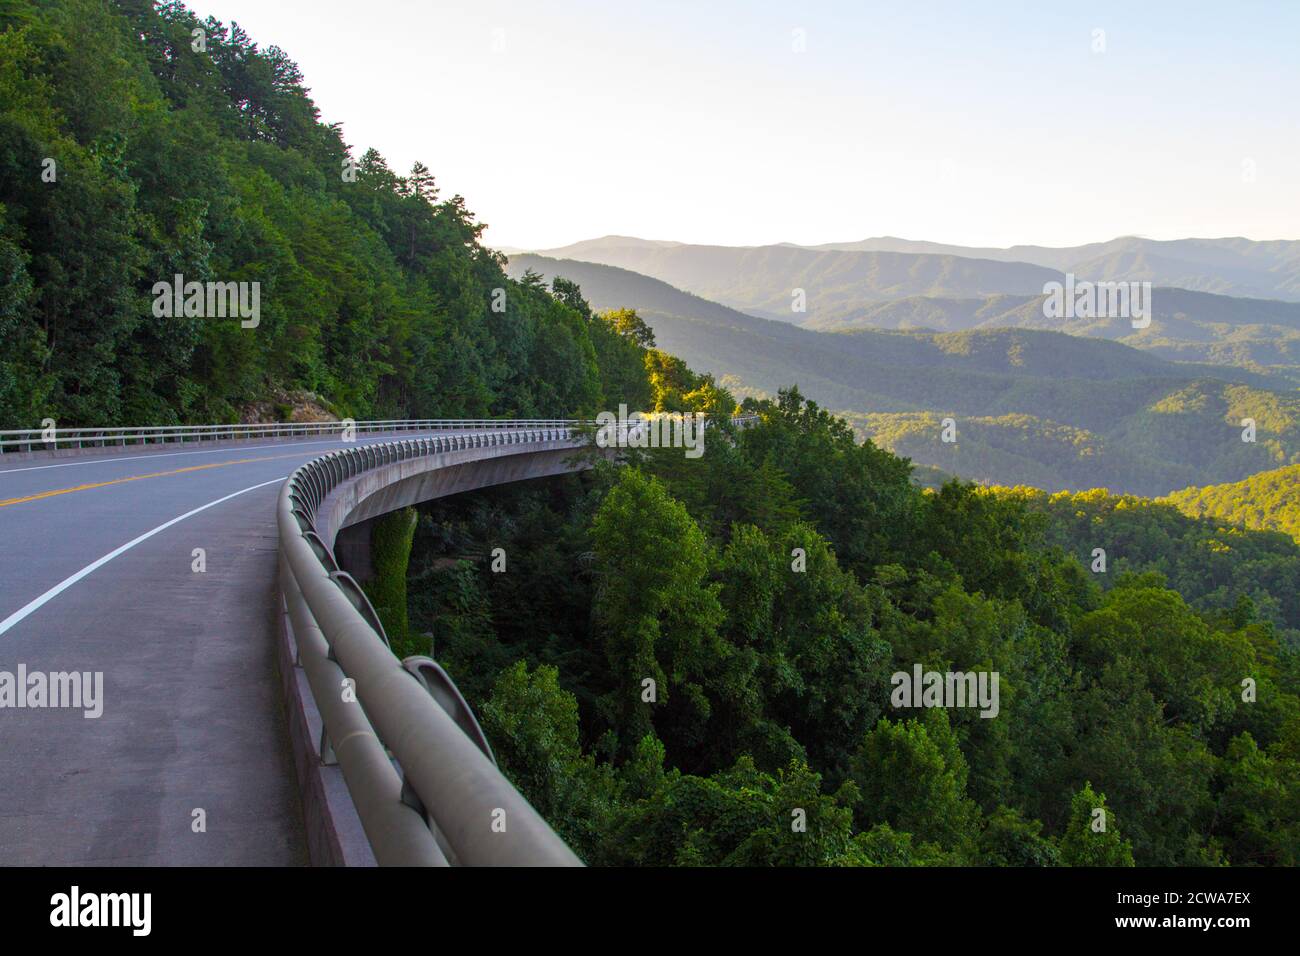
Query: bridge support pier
point(352, 550)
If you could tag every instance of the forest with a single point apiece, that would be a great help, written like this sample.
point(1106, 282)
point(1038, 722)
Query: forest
point(128, 156)
point(682, 661)
point(1161, 689)
point(1269, 500)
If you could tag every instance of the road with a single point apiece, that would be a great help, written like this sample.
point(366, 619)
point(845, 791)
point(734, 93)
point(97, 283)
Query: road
point(189, 763)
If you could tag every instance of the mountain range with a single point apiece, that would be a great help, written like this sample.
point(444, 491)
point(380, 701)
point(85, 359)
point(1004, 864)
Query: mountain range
point(1204, 301)
point(1262, 334)
point(763, 280)
point(1228, 266)
point(1033, 405)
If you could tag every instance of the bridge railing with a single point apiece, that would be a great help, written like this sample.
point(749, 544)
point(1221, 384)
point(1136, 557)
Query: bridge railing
point(439, 809)
point(37, 439)
point(448, 803)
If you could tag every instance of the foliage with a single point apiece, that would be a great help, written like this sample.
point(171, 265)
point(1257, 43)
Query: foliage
point(1268, 501)
point(771, 616)
point(1208, 560)
point(1092, 834)
point(375, 292)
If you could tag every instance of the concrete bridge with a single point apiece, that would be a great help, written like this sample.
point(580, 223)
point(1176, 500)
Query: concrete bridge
point(183, 567)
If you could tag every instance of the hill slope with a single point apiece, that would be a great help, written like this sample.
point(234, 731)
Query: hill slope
point(373, 292)
point(1268, 501)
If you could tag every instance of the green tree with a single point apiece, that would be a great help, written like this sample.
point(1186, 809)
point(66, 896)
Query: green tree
point(911, 775)
point(658, 616)
point(1008, 839)
point(1092, 835)
point(1258, 806)
point(532, 724)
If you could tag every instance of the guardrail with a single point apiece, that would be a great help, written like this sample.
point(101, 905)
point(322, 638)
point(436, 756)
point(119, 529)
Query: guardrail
point(442, 807)
point(29, 439)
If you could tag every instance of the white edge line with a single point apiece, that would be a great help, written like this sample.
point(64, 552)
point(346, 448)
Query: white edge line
point(68, 582)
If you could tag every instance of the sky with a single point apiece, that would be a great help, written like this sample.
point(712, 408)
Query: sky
point(747, 123)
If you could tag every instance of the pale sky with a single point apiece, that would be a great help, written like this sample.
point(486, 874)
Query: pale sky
point(989, 123)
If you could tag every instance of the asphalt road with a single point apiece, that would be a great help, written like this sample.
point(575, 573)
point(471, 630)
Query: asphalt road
point(189, 763)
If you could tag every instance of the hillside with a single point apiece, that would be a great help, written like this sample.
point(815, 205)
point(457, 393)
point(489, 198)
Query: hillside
point(1036, 407)
point(372, 290)
point(1268, 501)
point(1207, 559)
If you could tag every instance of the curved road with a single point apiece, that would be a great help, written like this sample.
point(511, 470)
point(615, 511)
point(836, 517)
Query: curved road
point(189, 763)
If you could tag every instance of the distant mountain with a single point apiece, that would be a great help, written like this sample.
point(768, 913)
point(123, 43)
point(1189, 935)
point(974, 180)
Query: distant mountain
point(578, 250)
point(1268, 501)
point(680, 315)
point(1032, 406)
point(1232, 266)
point(761, 277)
point(1261, 334)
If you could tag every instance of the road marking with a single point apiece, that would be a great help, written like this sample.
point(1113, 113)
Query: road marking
point(368, 439)
point(4, 503)
point(104, 459)
point(68, 582)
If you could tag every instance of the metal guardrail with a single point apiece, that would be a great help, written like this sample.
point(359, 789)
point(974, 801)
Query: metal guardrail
point(439, 809)
point(29, 439)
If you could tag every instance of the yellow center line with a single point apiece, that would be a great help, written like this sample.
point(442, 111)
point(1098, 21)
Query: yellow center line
point(156, 474)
